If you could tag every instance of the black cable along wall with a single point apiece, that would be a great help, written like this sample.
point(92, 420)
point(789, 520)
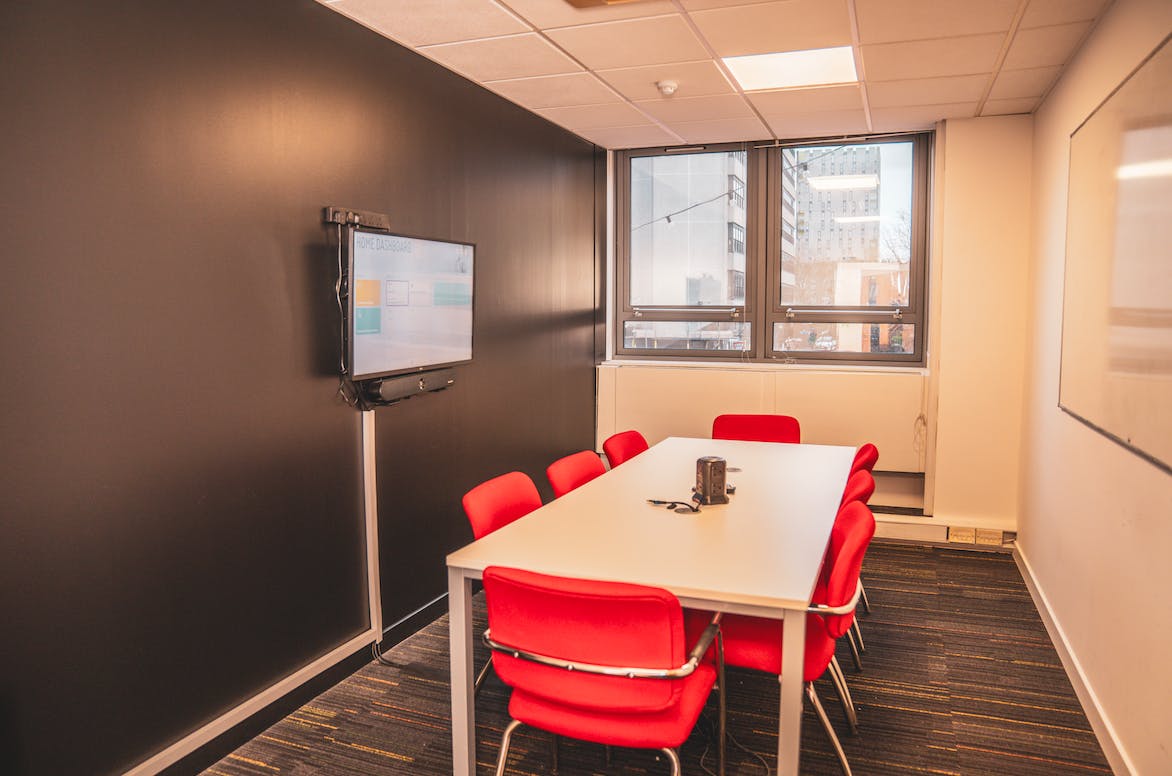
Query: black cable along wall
point(180, 490)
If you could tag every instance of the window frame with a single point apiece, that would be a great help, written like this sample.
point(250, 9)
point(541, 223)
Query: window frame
point(764, 199)
point(626, 312)
point(914, 313)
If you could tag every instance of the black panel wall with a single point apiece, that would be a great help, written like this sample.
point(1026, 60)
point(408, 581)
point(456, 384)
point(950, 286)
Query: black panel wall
point(180, 514)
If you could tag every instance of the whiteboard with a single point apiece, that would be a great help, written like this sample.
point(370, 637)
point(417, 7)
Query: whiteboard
point(1116, 373)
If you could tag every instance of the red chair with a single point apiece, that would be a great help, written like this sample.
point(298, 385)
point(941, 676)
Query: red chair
point(493, 504)
point(573, 471)
point(598, 661)
point(866, 458)
point(623, 446)
point(755, 643)
point(500, 501)
point(757, 428)
point(860, 486)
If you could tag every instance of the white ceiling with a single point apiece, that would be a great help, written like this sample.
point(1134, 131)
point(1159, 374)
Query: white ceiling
point(594, 70)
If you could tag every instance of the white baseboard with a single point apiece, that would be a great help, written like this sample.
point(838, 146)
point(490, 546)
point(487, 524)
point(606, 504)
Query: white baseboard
point(1113, 749)
point(188, 744)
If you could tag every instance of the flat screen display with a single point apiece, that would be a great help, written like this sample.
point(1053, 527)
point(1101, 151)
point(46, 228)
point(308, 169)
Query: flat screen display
point(410, 304)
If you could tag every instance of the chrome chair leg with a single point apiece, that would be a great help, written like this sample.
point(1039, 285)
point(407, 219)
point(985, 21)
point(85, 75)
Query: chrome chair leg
point(504, 755)
point(480, 677)
point(556, 745)
point(850, 640)
point(813, 696)
point(844, 695)
point(858, 634)
point(674, 759)
point(866, 603)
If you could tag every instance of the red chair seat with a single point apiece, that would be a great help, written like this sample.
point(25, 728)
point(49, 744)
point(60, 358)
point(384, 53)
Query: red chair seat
point(669, 727)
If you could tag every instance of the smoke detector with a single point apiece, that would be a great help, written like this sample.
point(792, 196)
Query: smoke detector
point(667, 88)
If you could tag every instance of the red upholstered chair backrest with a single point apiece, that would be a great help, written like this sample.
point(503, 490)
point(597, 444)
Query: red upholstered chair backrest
point(757, 428)
point(573, 471)
point(866, 458)
point(853, 529)
point(603, 623)
point(500, 501)
point(860, 486)
point(623, 446)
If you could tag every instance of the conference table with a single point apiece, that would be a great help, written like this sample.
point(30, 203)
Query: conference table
point(760, 554)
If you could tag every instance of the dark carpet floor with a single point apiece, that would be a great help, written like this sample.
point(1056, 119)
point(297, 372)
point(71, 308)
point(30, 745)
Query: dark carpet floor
point(959, 677)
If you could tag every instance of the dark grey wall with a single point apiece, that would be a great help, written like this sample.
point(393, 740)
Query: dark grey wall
point(180, 517)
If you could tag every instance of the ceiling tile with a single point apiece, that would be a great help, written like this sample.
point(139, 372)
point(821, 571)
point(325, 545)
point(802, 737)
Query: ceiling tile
point(966, 55)
point(672, 109)
point(515, 56)
point(919, 117)
point(926, 91)
point(886, 21)
point(1040, 13)
point(1007, 107)
point(639, 136)
point(1042, 46)
point(555, 91)
point(822, 123)
point(1014, 84)
point(722, 130)
point(693, 79)
point(557, 13)
point(808, 100)
point(418, 24)
point(631, 43)
point(617, 114)
point(769, 27)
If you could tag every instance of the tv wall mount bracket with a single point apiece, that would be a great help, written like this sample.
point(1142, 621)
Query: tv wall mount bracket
point(345, 216)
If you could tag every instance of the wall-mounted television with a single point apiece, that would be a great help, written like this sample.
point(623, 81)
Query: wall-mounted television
point(409, 304)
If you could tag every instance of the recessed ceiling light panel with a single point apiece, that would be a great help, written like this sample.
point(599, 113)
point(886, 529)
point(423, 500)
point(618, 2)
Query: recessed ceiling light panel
point(789, 69)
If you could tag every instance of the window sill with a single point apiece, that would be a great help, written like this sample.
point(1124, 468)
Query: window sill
point(758, 366)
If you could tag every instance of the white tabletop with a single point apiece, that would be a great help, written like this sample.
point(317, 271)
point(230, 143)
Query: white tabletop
point(758, 554)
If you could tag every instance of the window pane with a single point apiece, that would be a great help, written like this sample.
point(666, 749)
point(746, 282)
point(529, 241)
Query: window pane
point(844, 337)
point(847, 239)
point(688, 230)
point(686, 335)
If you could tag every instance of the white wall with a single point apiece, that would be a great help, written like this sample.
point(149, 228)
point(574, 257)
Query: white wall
point(1095, 520)
point(980, 332)
point(979, 303)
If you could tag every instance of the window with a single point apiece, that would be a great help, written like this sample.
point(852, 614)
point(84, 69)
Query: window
point(811, 252)
point(684, 284)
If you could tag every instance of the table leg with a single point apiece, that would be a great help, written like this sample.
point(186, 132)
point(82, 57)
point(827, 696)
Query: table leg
point(789, 732)
point(460, 645)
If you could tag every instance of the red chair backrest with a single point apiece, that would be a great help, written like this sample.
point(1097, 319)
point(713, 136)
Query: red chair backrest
point(853, 529)
point(757, 428)
point(500, 501)
point(573, 471)
point(860, 486)
point(623, 446)
point(866, 458)
point(604, 623)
